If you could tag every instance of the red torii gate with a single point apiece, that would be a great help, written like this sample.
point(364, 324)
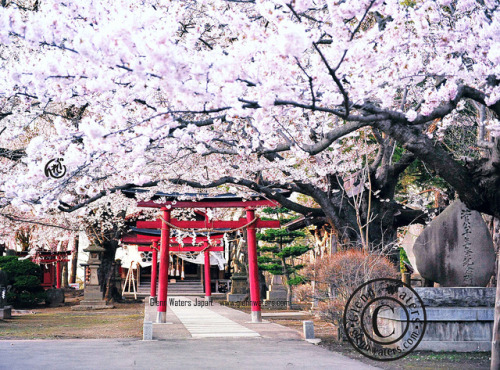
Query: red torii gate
point(151, 245)
point(250, 223)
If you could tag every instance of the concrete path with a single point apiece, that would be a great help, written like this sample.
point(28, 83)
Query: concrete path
point(186, 321)
point(208, 353)
point(215, 336)
point(202, 322)
point(201, 337)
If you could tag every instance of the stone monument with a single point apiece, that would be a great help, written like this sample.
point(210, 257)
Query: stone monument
point(93, 297)
point(239, 288)
point(456, 249)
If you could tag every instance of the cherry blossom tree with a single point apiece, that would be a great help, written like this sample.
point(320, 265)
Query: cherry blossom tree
point(277, 97)
point(271, 96)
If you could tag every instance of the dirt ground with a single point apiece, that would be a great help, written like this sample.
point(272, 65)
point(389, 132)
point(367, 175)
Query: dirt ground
point(124, 321)
point(420, 360)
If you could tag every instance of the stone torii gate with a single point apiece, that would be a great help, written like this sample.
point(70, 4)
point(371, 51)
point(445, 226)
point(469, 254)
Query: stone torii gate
point(166, 222)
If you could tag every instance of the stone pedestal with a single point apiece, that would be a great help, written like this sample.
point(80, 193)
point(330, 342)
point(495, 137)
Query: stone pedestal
point(458, 319)
point(55, 297)
point(277, 291)
point(239, 289)
point(6, 312)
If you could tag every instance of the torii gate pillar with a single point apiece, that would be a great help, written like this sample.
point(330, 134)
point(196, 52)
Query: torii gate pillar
point(164, 261)
point(154, 270)
point(58, 274)
point(253, 268)
point(206, 268)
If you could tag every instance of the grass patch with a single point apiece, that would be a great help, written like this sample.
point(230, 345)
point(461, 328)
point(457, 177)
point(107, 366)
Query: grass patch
point(125, 321)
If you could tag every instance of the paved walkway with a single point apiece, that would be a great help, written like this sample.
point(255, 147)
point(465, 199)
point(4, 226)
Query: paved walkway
point(201, 322)
point(212, 337)
point(186, 322)
point(209, 353)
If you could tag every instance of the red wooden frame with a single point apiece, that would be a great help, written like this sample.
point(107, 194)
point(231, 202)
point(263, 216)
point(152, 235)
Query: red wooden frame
point(208, 224)
point(167, 243)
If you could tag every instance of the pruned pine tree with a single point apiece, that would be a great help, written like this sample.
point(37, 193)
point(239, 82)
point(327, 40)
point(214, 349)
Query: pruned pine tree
point(280, 249)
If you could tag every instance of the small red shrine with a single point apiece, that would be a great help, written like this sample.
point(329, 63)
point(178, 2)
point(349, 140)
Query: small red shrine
point(50, 262)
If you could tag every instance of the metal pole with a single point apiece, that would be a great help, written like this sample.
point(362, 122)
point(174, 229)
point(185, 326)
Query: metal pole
point(253, 268)
point(164, 261)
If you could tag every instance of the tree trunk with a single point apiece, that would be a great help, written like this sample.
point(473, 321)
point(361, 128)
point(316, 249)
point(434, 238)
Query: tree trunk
point(74, 263)
point(288, 286)
point(106, 269)
point(65, 275)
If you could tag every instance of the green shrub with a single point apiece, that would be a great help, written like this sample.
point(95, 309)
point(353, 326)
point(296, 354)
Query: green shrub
point(24, 277)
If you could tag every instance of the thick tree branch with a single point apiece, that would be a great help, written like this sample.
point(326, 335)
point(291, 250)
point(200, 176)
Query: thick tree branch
point(67, 208)
point(324, 143)
point(403, 163)
point(437, 157)
point(405, 217)
point(268, 192)
point(13, 155)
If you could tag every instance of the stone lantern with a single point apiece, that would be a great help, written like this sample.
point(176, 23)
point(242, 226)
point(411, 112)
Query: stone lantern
point(92, 291)
point(94, 262)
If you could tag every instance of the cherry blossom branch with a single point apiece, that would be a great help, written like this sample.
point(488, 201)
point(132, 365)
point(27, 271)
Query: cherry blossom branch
point(268, 192)
point(17, 219)
point(68, 208)
point(361, 21)
point(332, 73)
point(325, 142)
point(309, 78)
point(12, 154)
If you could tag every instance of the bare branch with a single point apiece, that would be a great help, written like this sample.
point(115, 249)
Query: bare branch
point(335, 79)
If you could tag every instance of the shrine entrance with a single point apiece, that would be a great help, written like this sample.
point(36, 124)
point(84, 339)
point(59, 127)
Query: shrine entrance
point(192, 271)
point(206, 240)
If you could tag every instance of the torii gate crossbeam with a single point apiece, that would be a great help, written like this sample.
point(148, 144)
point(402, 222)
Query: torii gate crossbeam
point(250, 223)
